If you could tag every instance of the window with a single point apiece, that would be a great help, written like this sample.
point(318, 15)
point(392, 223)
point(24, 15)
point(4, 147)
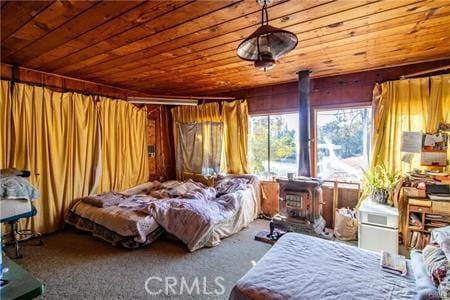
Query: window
point(343, 143)
point(273, 145)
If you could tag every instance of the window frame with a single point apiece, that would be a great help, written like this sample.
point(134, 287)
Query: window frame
point(268, 115)
point(313, 131)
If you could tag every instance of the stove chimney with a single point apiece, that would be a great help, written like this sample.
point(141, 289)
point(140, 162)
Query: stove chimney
point(304, 166)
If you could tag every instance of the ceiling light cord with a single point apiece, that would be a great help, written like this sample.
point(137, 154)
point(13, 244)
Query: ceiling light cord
point(264, 15)
point(264, 21)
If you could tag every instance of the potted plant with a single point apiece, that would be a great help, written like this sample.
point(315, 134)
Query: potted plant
point(380, 183)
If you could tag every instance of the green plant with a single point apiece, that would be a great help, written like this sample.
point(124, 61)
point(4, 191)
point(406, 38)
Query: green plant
point(380, 183)
point(380, 178)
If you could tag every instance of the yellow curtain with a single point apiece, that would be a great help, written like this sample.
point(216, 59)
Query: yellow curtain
point(406, 105)
point(208, 113)
point(5, 124)
point(439, 107)
point(123, 144)
point(398, 106)
point(235, 118)
point(54, 138)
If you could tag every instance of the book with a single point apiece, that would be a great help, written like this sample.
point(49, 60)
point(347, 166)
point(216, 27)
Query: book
point(393, 263)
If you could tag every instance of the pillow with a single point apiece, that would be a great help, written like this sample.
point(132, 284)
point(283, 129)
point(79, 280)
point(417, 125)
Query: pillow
point(231, 185)
point(425, 287)
point(442, 237)
point(435, 262)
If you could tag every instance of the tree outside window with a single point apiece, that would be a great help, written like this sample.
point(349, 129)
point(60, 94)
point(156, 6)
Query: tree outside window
point(343, 143)
point(273, 142)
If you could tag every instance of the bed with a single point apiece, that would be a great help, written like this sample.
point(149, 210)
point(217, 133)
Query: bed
point(305, 267)
point(189, 211)
point(126, 225)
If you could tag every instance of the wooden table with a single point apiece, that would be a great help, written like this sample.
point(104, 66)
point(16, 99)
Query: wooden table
point(21, 284)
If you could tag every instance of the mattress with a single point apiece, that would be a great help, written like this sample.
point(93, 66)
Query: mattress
point(114, 224)
point(134, 226)
point(247, 213)
point(304, 267)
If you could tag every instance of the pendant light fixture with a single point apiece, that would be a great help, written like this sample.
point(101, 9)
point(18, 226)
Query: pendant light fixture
point(267, 44)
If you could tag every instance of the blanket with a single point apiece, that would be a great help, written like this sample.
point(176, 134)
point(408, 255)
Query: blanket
point(16, 187)
point(128, 222)
point(231, 185)
point(193, 220)
point(106, 199)
point(176, 189)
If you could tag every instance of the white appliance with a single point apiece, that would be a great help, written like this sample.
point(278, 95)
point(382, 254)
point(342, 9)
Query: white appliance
point(377, 227)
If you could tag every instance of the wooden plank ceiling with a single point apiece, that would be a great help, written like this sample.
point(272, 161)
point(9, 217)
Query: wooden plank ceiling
point(189, 47)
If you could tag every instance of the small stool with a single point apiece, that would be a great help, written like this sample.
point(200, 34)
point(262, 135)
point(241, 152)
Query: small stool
point(16, 235)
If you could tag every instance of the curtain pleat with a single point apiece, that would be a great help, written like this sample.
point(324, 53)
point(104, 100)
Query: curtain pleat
point(209, 112)
point(124, 146)
point(5, 123)
point(194, 125)
point(401, 106)
point(439, 106)
point(235, 118)
point(192, 136)
point(54, 138)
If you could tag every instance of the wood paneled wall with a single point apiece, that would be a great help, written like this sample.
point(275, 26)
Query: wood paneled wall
point(160, 133)
point(343, 90)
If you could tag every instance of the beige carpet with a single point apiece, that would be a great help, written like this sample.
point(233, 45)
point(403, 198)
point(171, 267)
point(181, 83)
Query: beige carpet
point(78, 266)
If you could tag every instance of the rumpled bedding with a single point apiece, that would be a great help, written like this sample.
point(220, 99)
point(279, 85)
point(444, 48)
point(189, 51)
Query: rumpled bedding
point(128, 219)
point(16, 187)
point(231, 185)
point(441, 236)
point(426, 290)
point(205, 215)
point(193, 220)
point(197, 215)
point(105, 199)
point(176, 189)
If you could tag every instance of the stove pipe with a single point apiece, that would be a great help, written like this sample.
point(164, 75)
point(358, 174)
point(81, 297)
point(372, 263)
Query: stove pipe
point(304, 166)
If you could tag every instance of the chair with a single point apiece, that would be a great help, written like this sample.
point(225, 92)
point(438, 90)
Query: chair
point(16, 194)
point(11, 211)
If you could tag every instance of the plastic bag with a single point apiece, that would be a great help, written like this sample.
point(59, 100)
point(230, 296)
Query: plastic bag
point(345, 224)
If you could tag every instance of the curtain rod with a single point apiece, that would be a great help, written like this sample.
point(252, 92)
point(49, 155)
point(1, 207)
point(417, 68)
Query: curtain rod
point(425, 72)
point(187, 97)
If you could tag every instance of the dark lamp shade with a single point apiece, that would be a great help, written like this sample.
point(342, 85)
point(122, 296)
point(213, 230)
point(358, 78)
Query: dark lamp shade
point(277, 42)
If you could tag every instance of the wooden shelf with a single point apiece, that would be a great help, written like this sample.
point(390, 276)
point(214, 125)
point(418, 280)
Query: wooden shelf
point(422, 210)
